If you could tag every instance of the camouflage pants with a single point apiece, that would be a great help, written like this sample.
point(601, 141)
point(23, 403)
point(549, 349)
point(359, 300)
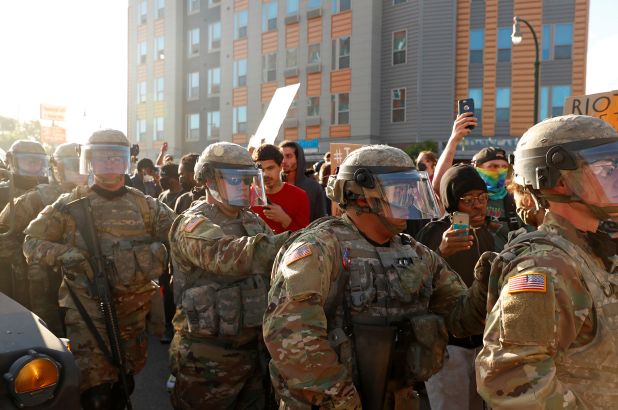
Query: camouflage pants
point(213, 377)
point(94, 366)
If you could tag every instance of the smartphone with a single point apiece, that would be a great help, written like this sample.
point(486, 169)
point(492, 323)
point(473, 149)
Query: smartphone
point(461, 220)
point(466, 105)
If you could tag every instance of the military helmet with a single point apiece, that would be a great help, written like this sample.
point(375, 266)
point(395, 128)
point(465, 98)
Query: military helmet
point(386, 177)
point(554, 145)
point(28, 158)
point(65, 161)
point(106, 152)
point(66, 150)
point(227, 169)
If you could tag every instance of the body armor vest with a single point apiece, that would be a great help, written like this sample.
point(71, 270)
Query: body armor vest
point(224, 306)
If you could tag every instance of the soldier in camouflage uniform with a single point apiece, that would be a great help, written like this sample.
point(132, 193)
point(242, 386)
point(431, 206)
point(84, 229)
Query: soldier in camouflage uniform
point(130, 227)
point(357, 311)
point(28, 166)
point(40, 284)
point(551, 340)
point(222, 255)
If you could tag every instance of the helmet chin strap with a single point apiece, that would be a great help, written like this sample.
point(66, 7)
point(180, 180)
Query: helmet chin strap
point(604, 213)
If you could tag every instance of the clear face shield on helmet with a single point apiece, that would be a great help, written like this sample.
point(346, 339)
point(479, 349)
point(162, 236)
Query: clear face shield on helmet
point(402, 195)
point(103, 159)
point(68, 168)
point(241, 187)
point(596, 181)
point(31, 165)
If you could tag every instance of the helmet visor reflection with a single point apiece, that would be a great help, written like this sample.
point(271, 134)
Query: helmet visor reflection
point(100, 159)
point(403, 195)
point(32, 165)
point(597, 179)
point(243, 187)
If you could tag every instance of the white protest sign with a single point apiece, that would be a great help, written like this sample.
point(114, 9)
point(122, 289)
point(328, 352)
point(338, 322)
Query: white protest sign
point(275, 114)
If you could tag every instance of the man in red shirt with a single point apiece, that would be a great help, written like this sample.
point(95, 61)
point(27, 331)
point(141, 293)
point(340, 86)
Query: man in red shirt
point(288, 206)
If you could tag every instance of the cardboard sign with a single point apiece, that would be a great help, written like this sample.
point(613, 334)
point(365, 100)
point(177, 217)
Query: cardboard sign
point(602, 105)
point(52, 112)
point(275, 114)
point(53, 135)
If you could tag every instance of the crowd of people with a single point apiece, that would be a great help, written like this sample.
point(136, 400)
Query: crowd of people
point(483, 283)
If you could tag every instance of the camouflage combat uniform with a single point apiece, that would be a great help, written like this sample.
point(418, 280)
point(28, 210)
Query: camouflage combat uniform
point(130, 228)
point(551, 339)
point(35, 287)
point(308, 334)
point(221, 268)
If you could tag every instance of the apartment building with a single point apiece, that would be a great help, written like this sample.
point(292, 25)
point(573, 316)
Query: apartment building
point(371, 71)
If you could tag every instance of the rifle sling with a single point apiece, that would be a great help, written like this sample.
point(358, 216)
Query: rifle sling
point(91, 327)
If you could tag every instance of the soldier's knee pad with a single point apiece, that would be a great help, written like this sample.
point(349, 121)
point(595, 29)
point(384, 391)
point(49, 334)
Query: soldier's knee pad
point(97, 398)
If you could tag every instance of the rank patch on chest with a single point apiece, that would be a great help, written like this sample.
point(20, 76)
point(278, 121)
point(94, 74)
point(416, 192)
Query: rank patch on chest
point(193, 223)
point(528, 282)
point(301, 252)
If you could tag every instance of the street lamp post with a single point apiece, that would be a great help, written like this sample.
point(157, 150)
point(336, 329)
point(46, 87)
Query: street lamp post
point(516, 38)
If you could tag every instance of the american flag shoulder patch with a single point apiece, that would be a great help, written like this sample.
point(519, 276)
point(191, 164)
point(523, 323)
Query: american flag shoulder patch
point(193, 223)
point(528, 282)
point(299, 253)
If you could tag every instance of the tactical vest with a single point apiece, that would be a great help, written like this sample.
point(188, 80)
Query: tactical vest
point(383, 287)
point(124, 229)
point(589, 370)
point(223, 305)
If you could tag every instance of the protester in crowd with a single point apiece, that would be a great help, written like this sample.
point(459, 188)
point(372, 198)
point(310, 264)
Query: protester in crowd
point(145, 178)
point(163, 157)
point(426, 161)
point(288, 207)
point(193, 190)
point(318, 165)
point(170, 180)
point(462, 190)
point(528, 211)
point(294, 165)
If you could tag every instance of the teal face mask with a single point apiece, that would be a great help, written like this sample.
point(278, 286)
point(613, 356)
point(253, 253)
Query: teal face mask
point(495, 181)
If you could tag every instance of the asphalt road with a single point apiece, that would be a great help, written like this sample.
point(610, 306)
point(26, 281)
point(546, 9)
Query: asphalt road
point(150, 392)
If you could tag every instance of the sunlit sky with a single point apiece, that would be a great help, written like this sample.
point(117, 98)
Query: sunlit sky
point(74, 53)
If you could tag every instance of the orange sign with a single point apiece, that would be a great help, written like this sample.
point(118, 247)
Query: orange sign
point(603, 106)
point(53, 112)
point(53, 135)
point(338, 152)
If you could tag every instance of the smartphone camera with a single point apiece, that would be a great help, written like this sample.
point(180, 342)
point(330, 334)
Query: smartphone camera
point(464, 106)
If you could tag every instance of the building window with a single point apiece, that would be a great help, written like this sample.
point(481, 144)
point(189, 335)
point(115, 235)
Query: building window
point(214, 36)
point(239, 125)
point(141, 92)
point(291, 7)
point(477, 95)
point(341, 5)
point(340, 109)
point(240, 24)
point(240, 73)
point(193, 6)
point(269, 15)
point(341, 53)
point(194, 42)
point(159, 52)
point(213, 3)
point(314, 54)
point(396, 2)
point(291, 58)
point(193, 127)
point(142, 52)
point(398, 105)
point(400, 46)
point(159, 129)
point(314, 4)
point(503, 104)
point(269, 67)
point(213, 124)
point(214, 81)
point(313, 106)
point(557, 41)
point(193, 86)
point(142, 12)
point(557, 95)
point(477, 42)
point(160, 9)
point(504, 44)
point(159, 89)
point(140, 130)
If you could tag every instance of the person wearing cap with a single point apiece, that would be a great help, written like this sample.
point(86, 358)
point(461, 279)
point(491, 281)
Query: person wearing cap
point(462, 190)
point(492, 165)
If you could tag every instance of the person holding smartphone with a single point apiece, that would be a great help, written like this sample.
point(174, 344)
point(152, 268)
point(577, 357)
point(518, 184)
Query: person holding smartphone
point(464, 195)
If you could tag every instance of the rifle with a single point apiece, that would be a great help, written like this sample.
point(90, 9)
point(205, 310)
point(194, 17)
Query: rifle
point(81, 211)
